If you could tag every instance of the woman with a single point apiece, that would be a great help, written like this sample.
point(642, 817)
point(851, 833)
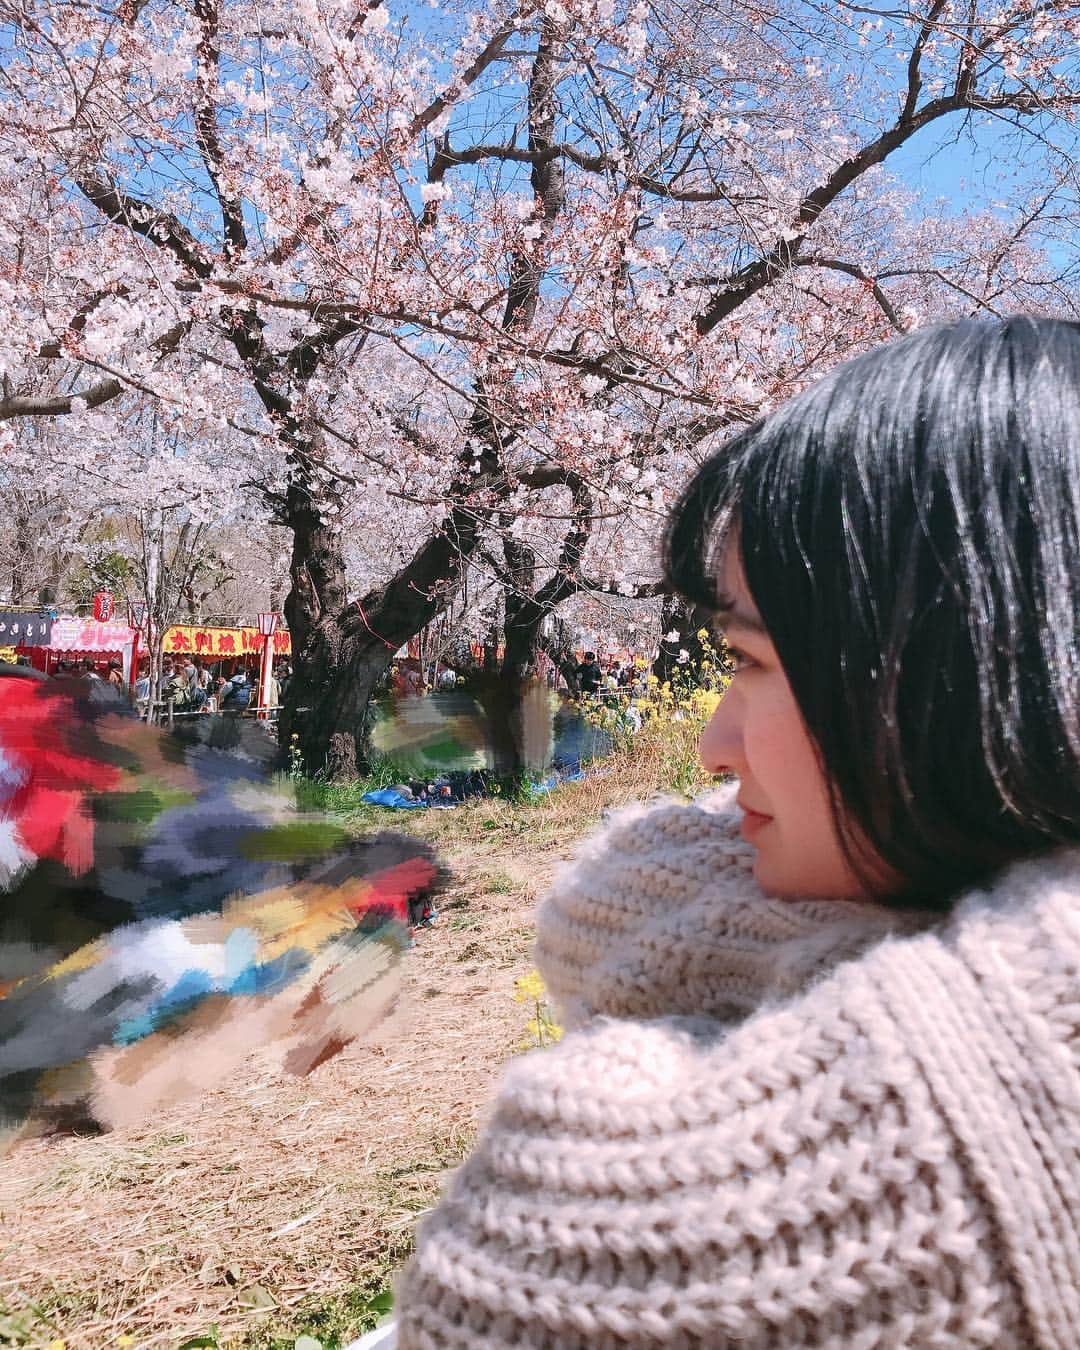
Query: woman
point(821, 1085)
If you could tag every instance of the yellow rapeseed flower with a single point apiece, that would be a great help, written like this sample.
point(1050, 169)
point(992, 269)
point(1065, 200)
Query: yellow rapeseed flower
point(529, 988)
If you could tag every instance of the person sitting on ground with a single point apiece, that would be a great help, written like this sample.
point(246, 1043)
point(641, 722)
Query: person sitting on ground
point(820, 1079)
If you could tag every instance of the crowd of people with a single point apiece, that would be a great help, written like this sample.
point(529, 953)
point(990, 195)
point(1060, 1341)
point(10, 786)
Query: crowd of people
point(191, 686)
point(591, 679)
point(187, 685)
point(587, 677)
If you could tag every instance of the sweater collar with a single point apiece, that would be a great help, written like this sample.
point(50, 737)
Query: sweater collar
point(661, 914)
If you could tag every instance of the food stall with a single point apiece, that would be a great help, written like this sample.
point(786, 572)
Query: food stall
point(238, 646)
point(69, 638)
point(21, 629)
point(227, 649)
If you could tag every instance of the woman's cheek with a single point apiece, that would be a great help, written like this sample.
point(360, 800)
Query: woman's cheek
point(789, 770)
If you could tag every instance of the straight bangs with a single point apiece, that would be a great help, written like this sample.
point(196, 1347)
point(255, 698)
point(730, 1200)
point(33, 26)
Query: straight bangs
point(908, 527)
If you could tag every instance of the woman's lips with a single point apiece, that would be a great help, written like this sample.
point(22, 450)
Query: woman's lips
point(752, 822)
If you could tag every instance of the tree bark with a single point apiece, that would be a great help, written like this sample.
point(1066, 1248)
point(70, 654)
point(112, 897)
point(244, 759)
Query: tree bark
point(503, 694)
point(684, 621)
point(341, 650)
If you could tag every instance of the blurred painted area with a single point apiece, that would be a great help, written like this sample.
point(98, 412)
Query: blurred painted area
point(166, 909)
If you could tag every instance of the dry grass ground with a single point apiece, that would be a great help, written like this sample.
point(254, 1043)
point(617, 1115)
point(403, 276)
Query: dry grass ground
point(273, 1207)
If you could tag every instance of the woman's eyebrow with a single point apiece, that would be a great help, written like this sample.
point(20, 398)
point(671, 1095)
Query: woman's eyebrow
point(730, 616)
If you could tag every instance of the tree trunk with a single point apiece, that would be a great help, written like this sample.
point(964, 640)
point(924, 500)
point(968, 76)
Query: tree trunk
point(684, 622)
point(336, 717)
point(326, 706)
point(517, 741)
point(341, 650)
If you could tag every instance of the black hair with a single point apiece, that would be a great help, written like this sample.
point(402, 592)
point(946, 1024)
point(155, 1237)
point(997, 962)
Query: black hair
point(909, 529)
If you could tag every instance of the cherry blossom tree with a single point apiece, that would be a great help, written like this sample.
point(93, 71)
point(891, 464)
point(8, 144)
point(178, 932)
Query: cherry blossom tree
point(482, 280)
point(146, 516)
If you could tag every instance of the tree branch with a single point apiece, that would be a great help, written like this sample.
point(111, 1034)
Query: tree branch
point(442, 102)
point(853, 270)
point(748, 280)
point(206, 129)
point(60, 405)
point(447, 157)
point(156, 225)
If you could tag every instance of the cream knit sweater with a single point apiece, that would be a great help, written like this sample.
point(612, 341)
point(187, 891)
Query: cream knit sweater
point(750, 1139)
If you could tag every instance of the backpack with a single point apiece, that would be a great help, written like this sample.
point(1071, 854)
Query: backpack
point(236, 696)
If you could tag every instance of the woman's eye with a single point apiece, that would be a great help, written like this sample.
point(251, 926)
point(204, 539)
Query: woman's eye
point(739, 659)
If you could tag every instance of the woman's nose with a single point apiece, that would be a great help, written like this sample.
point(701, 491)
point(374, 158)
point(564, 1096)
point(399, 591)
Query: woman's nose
point(721, 747)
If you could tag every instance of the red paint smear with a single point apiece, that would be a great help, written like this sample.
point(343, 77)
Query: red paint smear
point(51, 809)
point(391, 889)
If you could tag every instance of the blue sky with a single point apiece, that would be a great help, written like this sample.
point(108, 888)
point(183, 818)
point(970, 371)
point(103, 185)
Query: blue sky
point(970, 168)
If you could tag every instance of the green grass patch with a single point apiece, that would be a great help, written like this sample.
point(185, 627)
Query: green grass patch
point(331, 1322)
point(498, 883)
point(30, 1320)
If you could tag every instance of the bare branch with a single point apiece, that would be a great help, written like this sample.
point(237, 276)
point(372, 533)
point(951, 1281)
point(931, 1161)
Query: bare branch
point(748, 280)
point(447, 157)
point(439, 105)
point(859, 273)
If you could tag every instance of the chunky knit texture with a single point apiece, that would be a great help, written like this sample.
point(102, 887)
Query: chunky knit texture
point(774, 1124)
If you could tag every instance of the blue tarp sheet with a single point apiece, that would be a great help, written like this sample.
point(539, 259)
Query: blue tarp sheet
point(388, 797)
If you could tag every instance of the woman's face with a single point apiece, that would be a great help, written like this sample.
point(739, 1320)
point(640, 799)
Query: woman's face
point(758, 734)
